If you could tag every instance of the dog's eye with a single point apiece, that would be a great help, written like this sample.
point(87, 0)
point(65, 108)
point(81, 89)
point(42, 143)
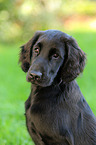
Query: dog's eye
point(55, 56)
point(37, 50)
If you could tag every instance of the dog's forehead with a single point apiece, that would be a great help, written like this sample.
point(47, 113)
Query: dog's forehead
point(52, 35)
point(56, 34)
point(52, 39)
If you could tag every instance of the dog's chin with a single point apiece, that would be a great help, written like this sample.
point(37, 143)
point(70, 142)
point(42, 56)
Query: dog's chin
point(41, 83)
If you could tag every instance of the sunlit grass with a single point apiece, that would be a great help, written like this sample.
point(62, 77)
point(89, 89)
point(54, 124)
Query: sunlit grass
point(14, 89)
point(87, 81)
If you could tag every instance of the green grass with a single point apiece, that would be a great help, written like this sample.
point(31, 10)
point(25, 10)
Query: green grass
point(14, 89)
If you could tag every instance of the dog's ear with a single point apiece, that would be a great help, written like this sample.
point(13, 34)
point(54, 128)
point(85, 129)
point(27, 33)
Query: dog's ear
point(26, 51)
point(74, 61)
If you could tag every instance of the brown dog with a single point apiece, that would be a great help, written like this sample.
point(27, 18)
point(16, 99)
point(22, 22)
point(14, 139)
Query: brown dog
point(56, 111)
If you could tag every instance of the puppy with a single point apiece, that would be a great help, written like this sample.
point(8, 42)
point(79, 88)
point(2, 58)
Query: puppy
point(56, 111)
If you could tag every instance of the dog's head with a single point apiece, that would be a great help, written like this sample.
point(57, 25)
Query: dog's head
point(51, 55)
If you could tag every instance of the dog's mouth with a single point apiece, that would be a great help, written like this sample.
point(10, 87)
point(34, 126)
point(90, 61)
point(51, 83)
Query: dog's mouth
point(43, 82)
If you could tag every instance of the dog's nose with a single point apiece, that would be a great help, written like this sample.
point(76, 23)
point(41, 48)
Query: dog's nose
point(35, 75)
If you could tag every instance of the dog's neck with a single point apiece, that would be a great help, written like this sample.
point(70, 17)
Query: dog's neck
point(60, 87)
point(55, 94)
point(38, 93)
point(50, 90)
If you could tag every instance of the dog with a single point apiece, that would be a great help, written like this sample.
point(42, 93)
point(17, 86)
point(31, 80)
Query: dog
point(56, 111)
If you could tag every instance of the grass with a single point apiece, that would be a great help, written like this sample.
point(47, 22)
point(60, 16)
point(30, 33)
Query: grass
point(14, 89)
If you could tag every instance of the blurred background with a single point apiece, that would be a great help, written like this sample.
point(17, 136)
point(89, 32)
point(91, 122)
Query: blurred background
point(19, 19)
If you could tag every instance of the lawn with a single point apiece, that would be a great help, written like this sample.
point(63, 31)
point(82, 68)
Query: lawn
point(14, 89)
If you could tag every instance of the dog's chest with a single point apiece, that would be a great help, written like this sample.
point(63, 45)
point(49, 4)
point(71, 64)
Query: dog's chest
point(41, 118)
point(45, 117)
point(46, 123)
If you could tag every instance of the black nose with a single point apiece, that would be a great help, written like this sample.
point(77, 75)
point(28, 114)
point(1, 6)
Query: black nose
point(35, 75)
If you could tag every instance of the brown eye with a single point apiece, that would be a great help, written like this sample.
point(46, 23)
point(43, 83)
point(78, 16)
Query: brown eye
point(36, 50)
point(56, 55)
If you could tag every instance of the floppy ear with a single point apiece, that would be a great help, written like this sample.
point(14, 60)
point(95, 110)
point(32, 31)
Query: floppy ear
point(26, 51)
point(74, 60)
